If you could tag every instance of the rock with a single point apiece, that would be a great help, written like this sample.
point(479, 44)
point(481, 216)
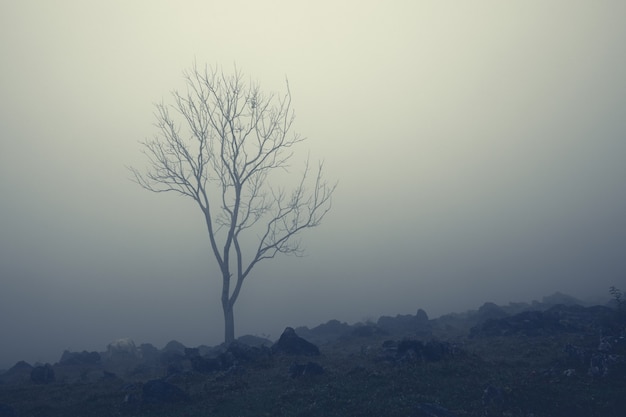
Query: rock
point(243, 353)
point(148, 352)
point(42, 374)
point(403, 324)
point(205, 365)
point(557, 319)
point(421, 316)
point(255, 341)
point(122, 348)
point(560, 298)
point(158, 391)
point(368, 330)
point(174, 346)
point(17, 374)
point(297, 370)
point(292, 344)
point(490, 311)
point(432, 410)
point(79, 358)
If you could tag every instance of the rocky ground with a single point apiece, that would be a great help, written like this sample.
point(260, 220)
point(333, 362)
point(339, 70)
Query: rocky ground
point(554, 358)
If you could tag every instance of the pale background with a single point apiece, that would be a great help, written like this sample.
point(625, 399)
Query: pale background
point(479, 148)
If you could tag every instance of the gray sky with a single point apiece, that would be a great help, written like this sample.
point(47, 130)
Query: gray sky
point(479, 148)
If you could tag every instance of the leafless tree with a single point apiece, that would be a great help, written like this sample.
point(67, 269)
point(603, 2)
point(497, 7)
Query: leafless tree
point(218, 144)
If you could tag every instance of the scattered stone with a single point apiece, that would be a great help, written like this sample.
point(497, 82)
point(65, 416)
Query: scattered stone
point(42, 374)
point(292, 344)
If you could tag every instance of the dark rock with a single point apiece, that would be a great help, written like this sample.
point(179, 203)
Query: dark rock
point(368, 330)
point(556, 319)
point(79, 358)
point(148, 352)
point(122, 349)
point(311, 368)
point(327, 332)
point(409, 348)
point(402, 324)
point(172, 360)
point(421, 316)
point(205, 365)
point(191, 352)
point(108, 376)
point(174, 346)
point(42, 374)
point(490, 311)
point(436, 351)
point(292, 344)
point(243, 353)
point(255, 341)
point(158, 391)
point(432, 410)
point(7, 411)
point(561, 299)
point(18, 373)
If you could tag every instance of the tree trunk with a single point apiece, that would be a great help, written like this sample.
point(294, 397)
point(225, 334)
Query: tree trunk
point(229, 323)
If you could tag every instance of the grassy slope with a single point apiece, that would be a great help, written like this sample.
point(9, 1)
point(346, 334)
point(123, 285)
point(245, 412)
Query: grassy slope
point(527, 372)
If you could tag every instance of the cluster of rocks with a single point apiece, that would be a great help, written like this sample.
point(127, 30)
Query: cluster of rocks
point(557, 319)
point(139, 363)
point(416, 325)
point(412, 350)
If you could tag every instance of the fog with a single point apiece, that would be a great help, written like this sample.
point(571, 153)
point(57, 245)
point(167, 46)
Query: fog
point(479, 148)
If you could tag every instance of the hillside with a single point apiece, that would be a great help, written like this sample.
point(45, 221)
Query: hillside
point(549, 358)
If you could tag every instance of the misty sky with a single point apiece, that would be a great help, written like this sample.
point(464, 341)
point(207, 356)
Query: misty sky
point(479, 148)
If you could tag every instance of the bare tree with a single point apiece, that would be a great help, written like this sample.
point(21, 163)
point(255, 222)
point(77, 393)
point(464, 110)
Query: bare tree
point(231, 139)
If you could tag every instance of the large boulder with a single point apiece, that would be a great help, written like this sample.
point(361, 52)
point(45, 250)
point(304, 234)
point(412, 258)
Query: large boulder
point(327, 332)
point(79, 358)
point(403, 324)
point(17, 374)
point(252, 340)
point(490, 311)
point(292, 344)
point(42, 374)
point(122, 348)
